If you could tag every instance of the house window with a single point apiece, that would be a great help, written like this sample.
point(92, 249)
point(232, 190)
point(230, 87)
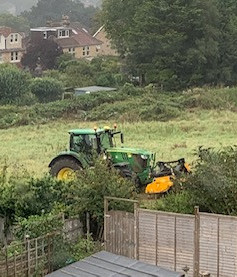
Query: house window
point(97, 48)
point(16, 37)
point(14, 56)
point(86, 51)
point(12, 38)
point(45, 35)
point(63, 33)
point(72, 51)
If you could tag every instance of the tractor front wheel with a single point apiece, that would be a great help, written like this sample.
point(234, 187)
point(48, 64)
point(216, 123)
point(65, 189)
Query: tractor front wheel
point(65, 168)
point(126, 173)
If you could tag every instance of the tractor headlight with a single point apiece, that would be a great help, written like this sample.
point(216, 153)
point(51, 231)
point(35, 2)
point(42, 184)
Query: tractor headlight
point(144, 157)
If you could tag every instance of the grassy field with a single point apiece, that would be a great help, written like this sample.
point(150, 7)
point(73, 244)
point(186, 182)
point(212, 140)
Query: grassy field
point(32, 147)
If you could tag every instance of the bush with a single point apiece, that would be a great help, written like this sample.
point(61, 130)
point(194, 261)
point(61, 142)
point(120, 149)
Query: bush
point(36, 225)
point(93, 184)
point(84, 248)
point(46, 89)
point(213, 184)
point(173, 202)
point(14, 84)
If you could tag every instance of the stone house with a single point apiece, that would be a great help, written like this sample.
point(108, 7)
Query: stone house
point(11, 45)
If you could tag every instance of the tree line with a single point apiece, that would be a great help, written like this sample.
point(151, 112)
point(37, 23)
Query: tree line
point(175, 43)
point(46, 10)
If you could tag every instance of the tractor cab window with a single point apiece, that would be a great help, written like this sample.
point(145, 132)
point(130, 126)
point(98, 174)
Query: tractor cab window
point(83, 143)
point(106, 140)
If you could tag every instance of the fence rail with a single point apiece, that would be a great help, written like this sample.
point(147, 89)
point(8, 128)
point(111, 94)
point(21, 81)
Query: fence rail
point(201, 242)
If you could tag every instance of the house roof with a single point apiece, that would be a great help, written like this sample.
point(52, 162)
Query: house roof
point(93, 89)
point(6, 31)
point(80, 36)
point(105, 264)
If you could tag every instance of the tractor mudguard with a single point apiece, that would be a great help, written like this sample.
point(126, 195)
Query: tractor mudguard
point(72, 154)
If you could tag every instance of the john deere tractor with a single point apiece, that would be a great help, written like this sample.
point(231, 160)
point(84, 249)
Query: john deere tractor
point(136, 164)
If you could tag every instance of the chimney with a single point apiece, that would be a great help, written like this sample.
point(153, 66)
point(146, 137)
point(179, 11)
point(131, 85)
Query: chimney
point(65, 21)
point(49, 23)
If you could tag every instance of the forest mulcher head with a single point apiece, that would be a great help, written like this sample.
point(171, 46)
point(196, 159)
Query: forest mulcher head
point(168, 172)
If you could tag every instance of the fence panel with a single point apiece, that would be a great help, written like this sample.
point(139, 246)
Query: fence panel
point(147, 235)
point(34, 256)
point(26, 258)
point(120, 233)
point(166, 239)
point(218, 245)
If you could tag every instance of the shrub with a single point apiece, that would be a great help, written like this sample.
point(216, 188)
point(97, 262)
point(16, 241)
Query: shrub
point(213, 184)
point(46, 89)
point(37, 225)
point(14, 84)
point(93, 184)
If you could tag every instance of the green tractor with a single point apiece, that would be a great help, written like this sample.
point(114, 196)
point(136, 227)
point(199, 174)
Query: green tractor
point(136, 164)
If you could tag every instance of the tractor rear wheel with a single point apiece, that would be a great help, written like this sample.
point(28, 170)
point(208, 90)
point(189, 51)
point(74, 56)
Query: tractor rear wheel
point(64, 168)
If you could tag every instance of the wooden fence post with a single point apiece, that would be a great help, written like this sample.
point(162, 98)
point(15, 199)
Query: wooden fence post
point(197, 242)
point(28, 254)
point(136, 230)
point(106, 208)
point(6, 257)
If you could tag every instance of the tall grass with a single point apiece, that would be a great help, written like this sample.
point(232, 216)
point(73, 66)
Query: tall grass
point(32, 147)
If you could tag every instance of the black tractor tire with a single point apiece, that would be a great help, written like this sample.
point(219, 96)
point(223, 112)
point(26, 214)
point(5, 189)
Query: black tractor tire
point(126, 173)
point(64, 162)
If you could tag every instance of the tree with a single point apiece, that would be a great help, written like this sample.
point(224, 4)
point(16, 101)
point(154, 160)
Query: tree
point(227, 42)
point(46, 89)
point(18, 23)
point(173, 43)
point(46, 49)
point(54, 9)
point(14, 84)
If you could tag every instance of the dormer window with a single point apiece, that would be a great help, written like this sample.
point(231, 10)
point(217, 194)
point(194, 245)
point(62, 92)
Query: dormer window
point(14, 38)
point(63, 33)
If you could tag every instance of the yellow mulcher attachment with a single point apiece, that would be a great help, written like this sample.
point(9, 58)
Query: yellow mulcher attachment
point(163, 180)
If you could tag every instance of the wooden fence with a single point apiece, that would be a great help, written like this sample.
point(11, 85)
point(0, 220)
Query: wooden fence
point(27, 258)
point(33, 257)
point(201, 242)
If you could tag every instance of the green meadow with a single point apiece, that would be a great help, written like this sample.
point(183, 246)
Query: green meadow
point(32, 147)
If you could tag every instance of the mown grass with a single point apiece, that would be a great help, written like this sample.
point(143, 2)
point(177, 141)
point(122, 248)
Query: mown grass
point(32, 147)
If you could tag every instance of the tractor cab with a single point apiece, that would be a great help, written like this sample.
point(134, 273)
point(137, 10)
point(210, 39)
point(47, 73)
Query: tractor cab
point(93, 140)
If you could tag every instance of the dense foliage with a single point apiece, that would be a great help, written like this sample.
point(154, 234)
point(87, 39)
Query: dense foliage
point(13, 85)
point(176, 44)
point(212, 185)
point(28, 199)
point(53, 10)
point(129, 104)
point(46, 89)
point(18, 23)
point(36, 54)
